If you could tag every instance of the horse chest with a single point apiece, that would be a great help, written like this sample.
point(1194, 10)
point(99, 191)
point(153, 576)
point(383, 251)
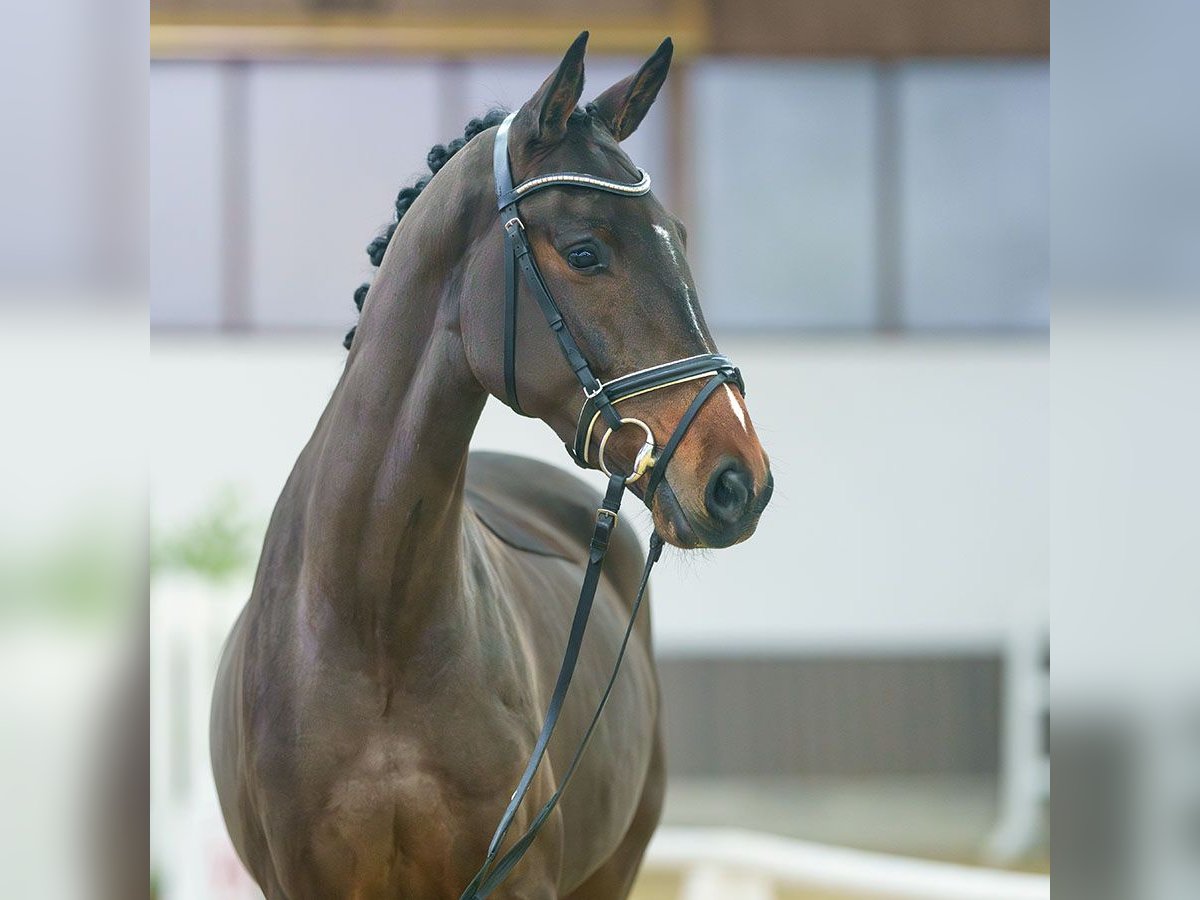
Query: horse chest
point(409, 780)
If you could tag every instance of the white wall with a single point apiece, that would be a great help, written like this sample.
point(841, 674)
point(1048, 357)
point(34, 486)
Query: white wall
point(815, 191)
point(911, 504)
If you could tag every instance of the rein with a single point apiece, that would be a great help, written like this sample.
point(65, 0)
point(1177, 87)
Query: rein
point(600, 399)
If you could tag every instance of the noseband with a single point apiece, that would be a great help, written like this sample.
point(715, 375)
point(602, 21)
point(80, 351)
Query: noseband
point(600, 401)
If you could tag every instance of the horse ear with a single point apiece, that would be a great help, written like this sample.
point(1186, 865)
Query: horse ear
point(623, 106)
point(546, 112)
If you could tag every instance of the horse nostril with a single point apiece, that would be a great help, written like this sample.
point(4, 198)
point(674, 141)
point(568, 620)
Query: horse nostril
point(730, 492)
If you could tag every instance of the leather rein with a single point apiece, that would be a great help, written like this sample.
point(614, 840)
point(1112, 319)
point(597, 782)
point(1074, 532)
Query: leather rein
point(600, 400)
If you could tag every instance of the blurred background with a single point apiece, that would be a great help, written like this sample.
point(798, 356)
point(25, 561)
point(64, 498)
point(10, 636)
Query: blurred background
point(866, 186)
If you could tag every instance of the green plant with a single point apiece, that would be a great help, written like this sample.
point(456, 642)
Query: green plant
point(218, 544)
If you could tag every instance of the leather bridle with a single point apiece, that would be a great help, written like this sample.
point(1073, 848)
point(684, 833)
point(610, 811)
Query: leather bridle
point(600, 401)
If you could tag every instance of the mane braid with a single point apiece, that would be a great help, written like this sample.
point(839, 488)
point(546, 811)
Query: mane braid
point(438, 156)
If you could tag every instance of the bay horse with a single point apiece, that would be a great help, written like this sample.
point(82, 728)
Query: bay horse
point(379, 694)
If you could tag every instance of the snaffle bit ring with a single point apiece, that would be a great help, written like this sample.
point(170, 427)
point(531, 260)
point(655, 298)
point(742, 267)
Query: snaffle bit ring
point(645, 456)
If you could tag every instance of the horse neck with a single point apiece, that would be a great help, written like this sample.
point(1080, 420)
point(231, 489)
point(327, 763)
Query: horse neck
point(385, 470)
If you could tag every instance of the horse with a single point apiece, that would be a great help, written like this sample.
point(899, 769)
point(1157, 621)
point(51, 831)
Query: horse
point(380, 692)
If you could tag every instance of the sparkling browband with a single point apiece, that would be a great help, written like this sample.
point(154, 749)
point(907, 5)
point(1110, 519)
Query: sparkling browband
point(575, 179)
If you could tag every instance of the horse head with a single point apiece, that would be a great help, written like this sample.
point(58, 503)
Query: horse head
point(616, 265)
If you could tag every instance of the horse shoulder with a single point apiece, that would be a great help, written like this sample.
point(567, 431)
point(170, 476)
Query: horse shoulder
point(542, 509)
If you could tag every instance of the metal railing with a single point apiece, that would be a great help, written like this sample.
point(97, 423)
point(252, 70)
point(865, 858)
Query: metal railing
point(733, 864)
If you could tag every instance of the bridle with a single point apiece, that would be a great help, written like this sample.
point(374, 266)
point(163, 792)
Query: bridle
point(600, 401)
point(600, 398)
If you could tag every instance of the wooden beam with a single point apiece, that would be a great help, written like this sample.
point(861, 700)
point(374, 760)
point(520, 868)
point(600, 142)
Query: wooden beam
point(281, 37)
point(882, 29)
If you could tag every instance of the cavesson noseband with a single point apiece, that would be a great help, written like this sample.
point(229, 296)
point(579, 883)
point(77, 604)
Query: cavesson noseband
point(600, 400)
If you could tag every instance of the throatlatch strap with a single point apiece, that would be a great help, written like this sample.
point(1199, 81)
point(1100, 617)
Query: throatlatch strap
point(511, 287)
point(501, 169)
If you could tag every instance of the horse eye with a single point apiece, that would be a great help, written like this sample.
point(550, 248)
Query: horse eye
point(583, 258)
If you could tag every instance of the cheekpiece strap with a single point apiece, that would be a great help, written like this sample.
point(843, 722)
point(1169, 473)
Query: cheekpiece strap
point(519, 256)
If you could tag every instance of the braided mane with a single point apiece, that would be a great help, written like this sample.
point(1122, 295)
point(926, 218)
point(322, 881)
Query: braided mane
point(437, 158)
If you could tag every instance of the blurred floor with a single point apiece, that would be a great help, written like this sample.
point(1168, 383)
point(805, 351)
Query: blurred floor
point(938, 817)
point(660, 886)
point(935, 817)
